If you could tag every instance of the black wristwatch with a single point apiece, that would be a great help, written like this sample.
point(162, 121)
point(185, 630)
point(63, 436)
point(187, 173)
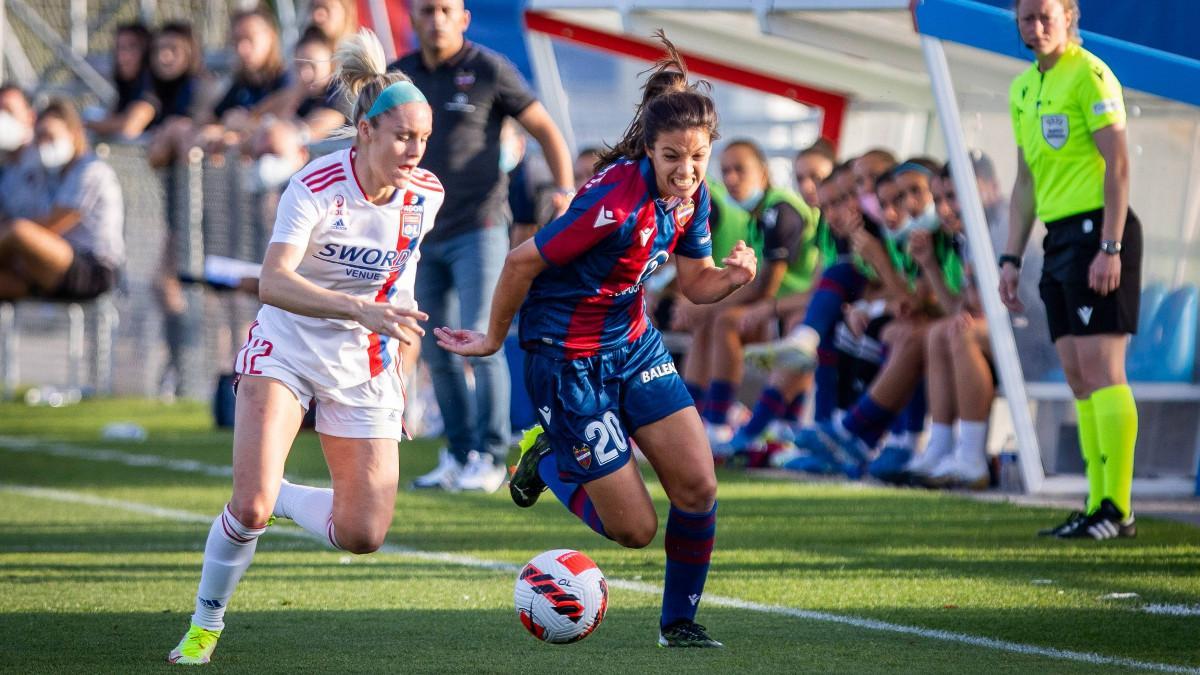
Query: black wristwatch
point(1111, 247)
point(1014, 260)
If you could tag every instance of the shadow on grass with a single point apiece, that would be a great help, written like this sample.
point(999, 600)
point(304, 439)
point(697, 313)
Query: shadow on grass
point(486, 641)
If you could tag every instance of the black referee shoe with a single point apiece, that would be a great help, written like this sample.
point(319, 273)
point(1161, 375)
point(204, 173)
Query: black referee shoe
point(1072, 522)
point(525, 485)
point(1106, 523)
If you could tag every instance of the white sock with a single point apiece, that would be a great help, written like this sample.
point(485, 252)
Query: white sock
point(971, 449)
point(227, 555)
point(902, 439)
point(311, 508)
point(941, 441)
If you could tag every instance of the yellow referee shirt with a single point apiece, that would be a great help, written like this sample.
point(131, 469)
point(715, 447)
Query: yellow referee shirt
point(1054, 115)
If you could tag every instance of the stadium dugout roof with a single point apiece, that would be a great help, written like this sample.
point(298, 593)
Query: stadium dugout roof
point(922, 55)
point(865, 53)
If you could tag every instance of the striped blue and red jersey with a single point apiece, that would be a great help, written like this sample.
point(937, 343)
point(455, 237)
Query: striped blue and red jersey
point(616, 233)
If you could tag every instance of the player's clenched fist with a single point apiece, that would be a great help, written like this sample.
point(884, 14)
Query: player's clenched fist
point(741, 264)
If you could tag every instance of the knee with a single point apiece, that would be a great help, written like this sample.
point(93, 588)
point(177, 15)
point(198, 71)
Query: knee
point(696, 497)
point(251, 511)
point(638, 534)
point(359, 542)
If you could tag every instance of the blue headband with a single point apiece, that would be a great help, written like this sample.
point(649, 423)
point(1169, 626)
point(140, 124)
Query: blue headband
point(912, 166)
point(395, 94)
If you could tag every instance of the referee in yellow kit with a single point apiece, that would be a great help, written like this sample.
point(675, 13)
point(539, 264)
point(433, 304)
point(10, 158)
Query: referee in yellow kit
point(1073, 173)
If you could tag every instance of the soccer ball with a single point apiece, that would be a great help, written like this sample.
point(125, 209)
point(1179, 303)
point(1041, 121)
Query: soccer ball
point(561, 596)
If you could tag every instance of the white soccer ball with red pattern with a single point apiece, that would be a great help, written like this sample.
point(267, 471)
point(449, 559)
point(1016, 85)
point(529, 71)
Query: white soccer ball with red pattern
point(561, 596)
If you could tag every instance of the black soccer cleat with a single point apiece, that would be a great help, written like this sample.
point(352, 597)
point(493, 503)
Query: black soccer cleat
point(686, 634)
point(1106, 523)
point(1072, 522)
point(525, 485)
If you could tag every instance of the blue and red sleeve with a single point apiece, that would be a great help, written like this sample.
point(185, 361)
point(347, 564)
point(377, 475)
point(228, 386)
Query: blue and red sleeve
point(594, 214)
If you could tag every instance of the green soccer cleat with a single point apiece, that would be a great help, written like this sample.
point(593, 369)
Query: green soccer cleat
point(686, 634)
point(525, 485)
point(196, 647)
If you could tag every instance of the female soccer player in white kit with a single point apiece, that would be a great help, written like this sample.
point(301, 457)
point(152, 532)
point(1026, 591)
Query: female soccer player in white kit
point(337, 288)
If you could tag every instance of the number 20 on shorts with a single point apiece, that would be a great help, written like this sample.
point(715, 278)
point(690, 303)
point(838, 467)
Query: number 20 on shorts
point(600, 433)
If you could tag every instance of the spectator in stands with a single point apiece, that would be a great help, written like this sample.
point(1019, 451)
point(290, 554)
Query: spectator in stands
point(67, 243)
point(472, 89)
point(585, 165)
point(811, 166)
point(337, 19)
point(176, 67)
point(313, 99)
point(259, 70)
point(130, 114)
point(17, 118)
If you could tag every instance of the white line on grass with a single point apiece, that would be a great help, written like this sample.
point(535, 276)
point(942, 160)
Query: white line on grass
point(635, 586)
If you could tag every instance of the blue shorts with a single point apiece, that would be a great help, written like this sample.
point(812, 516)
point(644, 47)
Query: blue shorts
point(590, 406)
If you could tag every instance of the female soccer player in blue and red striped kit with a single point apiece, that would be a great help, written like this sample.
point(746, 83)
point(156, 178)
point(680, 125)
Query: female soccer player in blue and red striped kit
point(597, 369)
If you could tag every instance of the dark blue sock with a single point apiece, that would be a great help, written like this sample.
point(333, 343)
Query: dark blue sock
point(720, 399)
point(770, 406)
point(826, 380)
point(689, 544)
point(697, 393)
point(838, 285)
point(795, 408)
point(572, 496)
point(867, 420)
point(916, 410)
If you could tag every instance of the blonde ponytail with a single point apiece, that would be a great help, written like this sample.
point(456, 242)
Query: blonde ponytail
point(361, 70)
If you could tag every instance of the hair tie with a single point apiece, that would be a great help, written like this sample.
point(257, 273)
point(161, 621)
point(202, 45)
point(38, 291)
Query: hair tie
point(395, 94)
point(912, 166)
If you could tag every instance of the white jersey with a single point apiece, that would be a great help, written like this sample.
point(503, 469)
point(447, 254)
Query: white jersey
point(351, 246)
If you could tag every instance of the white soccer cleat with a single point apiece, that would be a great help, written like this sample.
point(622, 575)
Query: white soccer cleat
point(481, 473)
point(444, 476)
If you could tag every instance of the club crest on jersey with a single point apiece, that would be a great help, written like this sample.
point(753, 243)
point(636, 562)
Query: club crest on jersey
point(683, 213)
point(339, 205)
point(463, 79)
point(583, 455)
point(410, 225)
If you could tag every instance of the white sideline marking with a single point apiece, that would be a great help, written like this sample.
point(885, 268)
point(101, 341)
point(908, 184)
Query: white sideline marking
point(1173, 610)
point(636, 586)
point(64, 450)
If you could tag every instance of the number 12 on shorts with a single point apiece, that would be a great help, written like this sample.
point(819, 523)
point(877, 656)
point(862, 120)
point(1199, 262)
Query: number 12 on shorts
point(603, 432)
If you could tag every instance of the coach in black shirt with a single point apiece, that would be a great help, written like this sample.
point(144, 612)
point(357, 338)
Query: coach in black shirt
point(472, 90)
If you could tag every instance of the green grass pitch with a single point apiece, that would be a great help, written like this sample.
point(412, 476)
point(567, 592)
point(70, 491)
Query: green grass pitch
point(93, 579)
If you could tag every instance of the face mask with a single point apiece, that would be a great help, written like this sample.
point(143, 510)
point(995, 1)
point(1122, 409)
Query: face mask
point(927, 221)
point(509, 159)
point(13, 134)
point(274, 170)
point(750, 201)
point(869, 203)
point(56, 154)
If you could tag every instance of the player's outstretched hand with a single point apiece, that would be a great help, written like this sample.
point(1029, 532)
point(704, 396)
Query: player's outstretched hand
point(464, 342)
point(741, 264)
point(387, 319)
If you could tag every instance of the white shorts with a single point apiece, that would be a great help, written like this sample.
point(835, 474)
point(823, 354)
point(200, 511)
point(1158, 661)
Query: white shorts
point(373, 409)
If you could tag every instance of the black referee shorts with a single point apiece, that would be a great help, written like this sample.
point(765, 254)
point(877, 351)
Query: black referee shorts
point(1072, 308)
